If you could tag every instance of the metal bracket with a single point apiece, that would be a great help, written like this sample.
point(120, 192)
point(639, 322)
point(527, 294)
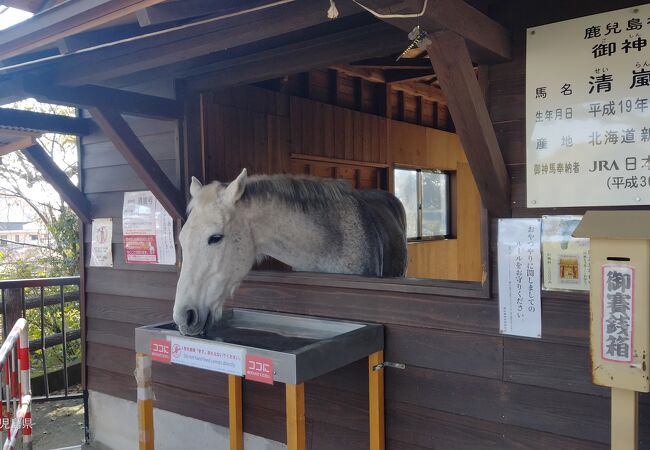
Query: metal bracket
point(389, 364)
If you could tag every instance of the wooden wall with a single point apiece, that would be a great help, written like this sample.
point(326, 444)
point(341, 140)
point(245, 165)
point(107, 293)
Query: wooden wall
point(280, 133)
point(464, 387)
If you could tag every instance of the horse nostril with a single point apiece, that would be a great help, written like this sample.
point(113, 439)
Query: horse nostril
point(191, 317)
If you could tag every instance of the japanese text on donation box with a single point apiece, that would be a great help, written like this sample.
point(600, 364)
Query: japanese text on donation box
point(588, 111)
point(148, 230)
point(519, 277)
point(618, 313)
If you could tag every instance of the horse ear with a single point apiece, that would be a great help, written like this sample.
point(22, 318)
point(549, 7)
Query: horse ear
point(195, 187)
point(235, 189)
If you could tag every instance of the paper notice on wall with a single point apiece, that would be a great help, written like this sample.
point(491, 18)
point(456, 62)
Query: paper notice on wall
point(148, 230)
point(101, 254)
point(565, 259)
point(519, 264)
point(208, 355)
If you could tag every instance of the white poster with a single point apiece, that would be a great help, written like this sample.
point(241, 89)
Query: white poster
point(148, 230)
point(565, 259)
point(618, 313)
point(519, 256)
point(101, 254)
point(208, 355)
point(588, 111)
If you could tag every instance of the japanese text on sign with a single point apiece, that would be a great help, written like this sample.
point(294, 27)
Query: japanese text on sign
point(208, 355)
point(618, 313)
point(588, 111)
point(519, 257)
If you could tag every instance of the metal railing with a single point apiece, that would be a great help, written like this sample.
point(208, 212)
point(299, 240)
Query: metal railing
point(46, 302)
point(15, 408)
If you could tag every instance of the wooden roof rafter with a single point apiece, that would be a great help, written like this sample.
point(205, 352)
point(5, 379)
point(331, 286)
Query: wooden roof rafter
point(66, 19)
point(87, 96)
point(145, 166)
point(37, 122)
point(39, 158)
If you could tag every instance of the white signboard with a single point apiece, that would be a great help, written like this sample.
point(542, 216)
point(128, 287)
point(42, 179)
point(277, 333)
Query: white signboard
point(208, 355)
point(519, 257)
point(618, 313)
point(101, 254)
point(588, 111)
point(565, 259)
point(148, 230)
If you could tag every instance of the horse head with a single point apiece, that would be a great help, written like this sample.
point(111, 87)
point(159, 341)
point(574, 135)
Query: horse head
point(218, 251)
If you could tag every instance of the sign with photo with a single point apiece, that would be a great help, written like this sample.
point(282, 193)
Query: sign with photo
point(588, 111)
point(148, 230)
point(565, 259)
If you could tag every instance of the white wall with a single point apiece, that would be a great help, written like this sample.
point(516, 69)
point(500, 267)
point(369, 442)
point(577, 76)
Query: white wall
point(114, 425)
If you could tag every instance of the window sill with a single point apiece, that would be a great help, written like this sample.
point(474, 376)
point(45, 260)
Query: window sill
point(467, 289)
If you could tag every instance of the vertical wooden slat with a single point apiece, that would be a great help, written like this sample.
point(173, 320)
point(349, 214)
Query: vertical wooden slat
point(376, 401)
point(358, 94)
point(333, 86)
point(349, 134)
point(145, 401)
point(296, 439)
point(235, 413)
point(625, 419)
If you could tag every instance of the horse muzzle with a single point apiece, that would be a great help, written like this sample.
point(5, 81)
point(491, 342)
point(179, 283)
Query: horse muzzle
point(191, 321)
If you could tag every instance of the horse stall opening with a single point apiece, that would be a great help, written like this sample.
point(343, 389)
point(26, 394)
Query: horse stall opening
point(295, 93)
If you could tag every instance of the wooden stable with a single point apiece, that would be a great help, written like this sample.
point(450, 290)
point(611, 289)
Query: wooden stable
point(171, 91)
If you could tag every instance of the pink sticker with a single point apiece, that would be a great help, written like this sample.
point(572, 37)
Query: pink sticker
point(140, 249)
point(161, 350)
point(259, 369)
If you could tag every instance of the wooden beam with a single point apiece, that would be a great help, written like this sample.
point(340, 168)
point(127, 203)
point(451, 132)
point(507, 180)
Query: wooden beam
point(174, 11)
point(31, 6)
point(20, 144)
point(64, 20)
point(374, 75)
point(420, 89)
point(127, 143)
point(207, 36)
point(96, 96)
point(39, 158)
point(391, 63)
point(487, 40)
point(393, 75)
point(320, 52)
point(41, 122)
point(452, 63)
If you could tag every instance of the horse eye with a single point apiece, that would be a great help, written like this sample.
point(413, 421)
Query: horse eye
point(214, 238)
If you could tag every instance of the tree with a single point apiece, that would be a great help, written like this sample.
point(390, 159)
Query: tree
point(20, 180)
point(59, 256)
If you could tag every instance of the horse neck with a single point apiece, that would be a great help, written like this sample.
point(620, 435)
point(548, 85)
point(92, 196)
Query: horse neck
point(285, 234)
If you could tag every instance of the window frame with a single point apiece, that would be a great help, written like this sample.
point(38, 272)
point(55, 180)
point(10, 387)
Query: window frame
point(419, 171)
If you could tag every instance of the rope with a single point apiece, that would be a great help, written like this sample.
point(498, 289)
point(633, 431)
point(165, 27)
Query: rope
point(393, 16)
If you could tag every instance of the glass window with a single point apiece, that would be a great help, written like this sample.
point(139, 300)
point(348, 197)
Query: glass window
point(406, 189)
point(425, 196)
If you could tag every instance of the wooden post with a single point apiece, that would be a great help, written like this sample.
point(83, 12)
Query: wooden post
point(625, 419)
point(13, 308)
point(296, 417)
point(145, 400)
point(235, 413)
point(376, 401)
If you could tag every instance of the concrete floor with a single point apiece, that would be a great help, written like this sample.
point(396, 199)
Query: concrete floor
point(57, 424)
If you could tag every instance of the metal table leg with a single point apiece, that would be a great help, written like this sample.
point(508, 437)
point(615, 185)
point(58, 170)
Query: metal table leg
point(376, 398)
point(296, 417)
point(145, 400)
point(235, 413)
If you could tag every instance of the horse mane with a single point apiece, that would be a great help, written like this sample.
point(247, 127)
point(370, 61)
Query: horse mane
point(302, 192)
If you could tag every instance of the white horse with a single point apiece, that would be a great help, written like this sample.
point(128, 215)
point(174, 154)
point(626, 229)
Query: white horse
point(311, 224)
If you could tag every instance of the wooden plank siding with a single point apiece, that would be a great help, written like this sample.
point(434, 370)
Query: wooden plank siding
point(465, 386)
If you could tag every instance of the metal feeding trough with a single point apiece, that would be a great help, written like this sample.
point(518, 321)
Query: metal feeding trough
point(300, 348)
point(265, 347)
